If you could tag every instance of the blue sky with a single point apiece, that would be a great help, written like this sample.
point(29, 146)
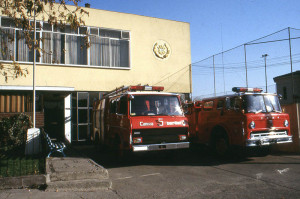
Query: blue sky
point(217, 25)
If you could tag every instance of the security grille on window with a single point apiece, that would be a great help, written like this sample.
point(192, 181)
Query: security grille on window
point(109, 48)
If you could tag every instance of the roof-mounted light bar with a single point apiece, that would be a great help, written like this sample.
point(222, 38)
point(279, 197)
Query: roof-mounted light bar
point(146, 88)
point(123, 89)
point(245, 89)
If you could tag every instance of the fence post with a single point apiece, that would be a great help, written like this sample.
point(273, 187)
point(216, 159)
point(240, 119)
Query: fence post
point(246, 65)
point(290, 46)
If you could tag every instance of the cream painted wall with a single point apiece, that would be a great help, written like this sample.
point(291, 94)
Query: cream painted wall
point(146, 68)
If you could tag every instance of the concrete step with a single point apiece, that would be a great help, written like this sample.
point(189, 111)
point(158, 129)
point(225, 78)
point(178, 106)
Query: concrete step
point(69, 168)
point(78, 185)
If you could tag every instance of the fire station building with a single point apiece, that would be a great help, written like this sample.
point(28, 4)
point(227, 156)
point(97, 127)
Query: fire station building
point(288, 87)
point(126, 49)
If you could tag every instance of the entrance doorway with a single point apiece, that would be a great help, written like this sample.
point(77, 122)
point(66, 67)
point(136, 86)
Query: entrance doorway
point(54, 115)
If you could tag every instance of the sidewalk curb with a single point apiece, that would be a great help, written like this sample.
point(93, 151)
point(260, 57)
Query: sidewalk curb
point(76, 174)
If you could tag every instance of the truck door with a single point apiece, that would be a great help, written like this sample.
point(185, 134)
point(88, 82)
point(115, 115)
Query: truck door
point(112, 125)
point(122, 120)
point(207, 120)
point(233, 119)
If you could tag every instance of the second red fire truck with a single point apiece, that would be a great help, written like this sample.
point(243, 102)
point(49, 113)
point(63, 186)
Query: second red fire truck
point(140, 118)
point(248, 118)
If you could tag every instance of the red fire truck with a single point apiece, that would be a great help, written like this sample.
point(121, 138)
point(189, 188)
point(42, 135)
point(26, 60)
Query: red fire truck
point(140, 118)
point(248, 118)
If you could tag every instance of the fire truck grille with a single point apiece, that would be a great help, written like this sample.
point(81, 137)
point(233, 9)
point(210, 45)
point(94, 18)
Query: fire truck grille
point(267, 134)
point(158, 136)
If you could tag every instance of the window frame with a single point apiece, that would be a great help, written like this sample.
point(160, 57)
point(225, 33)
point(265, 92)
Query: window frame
point(77, 33)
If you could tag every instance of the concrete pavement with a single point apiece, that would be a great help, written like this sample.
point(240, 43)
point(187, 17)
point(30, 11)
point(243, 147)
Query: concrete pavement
point(75, 174)
point(72, 173)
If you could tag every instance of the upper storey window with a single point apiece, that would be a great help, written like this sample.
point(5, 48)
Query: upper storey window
point(66, 46)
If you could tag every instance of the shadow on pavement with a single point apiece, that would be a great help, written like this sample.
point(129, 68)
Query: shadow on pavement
point(195, 156)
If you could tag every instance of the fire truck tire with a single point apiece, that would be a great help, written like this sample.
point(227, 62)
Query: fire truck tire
point(101, 138)
point(220, 144)
point(117, 149)
point(96, 141)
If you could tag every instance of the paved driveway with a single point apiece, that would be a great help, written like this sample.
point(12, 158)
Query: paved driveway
point(197, 174)
point(188, 174)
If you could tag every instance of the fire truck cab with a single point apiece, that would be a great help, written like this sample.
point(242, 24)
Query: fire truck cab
point(140, 118)
point(248, 118)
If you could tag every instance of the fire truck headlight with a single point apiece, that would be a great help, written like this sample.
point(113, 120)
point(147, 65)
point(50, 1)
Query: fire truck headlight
point(185, 123)
point(286, 123)
point(182, 137)
point(137, 140)
point(252, 125)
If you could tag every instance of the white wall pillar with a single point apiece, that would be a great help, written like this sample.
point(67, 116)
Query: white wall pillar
point(68, 118)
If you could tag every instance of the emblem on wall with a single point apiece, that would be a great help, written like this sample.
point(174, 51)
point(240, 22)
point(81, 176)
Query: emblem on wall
point(161, 49)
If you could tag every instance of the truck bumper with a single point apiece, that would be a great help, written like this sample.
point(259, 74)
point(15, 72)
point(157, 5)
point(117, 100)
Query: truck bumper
point(268, 140)
point(157, 147)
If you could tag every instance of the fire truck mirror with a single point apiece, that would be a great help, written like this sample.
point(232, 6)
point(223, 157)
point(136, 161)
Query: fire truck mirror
point(187, 112)
point(227, 103)
point(131, 97)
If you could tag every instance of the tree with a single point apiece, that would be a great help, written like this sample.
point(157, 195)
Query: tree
point(22, 14)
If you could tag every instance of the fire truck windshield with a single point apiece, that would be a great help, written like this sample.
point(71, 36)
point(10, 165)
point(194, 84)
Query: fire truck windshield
point(155, 105)
point(261, 103)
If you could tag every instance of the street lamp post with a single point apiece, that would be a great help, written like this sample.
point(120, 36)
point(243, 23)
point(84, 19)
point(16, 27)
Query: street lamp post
point(265, 57)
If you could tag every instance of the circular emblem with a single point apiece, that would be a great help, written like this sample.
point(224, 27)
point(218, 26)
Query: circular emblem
point(161, 49)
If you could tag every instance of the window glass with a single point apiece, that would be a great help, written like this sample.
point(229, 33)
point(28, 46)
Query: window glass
point(47, 26)
point(208, 105)
point(58, 50)
point(272, 103)
point(24, 53)
point(76, 52)
point(93, 96)
point(155, 105)
point(7, 22)
point(46, 41)
point(6, 44)
point(83, 99)
point(124, 53)
point(125, 35)
point(109, 48)
point(113, 106)
point(123, 105)
point(68, 29)
point(100, 51)
point(83, 116)
point(220, 104)
point(110, 33)
point(254, 103)
point(83, 132)
point(235, 103)
point(82, 30)
point(94, 31)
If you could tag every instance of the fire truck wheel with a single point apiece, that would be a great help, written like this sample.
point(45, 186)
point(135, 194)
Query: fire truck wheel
point(117, 149)
point(221, 145)
point(96, 141)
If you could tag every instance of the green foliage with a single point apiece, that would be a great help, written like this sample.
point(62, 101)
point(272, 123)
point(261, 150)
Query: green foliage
point(19, 165)
point(13, 130)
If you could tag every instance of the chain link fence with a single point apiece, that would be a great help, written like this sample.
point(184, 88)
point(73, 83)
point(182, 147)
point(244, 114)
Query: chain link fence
point(253, 64)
